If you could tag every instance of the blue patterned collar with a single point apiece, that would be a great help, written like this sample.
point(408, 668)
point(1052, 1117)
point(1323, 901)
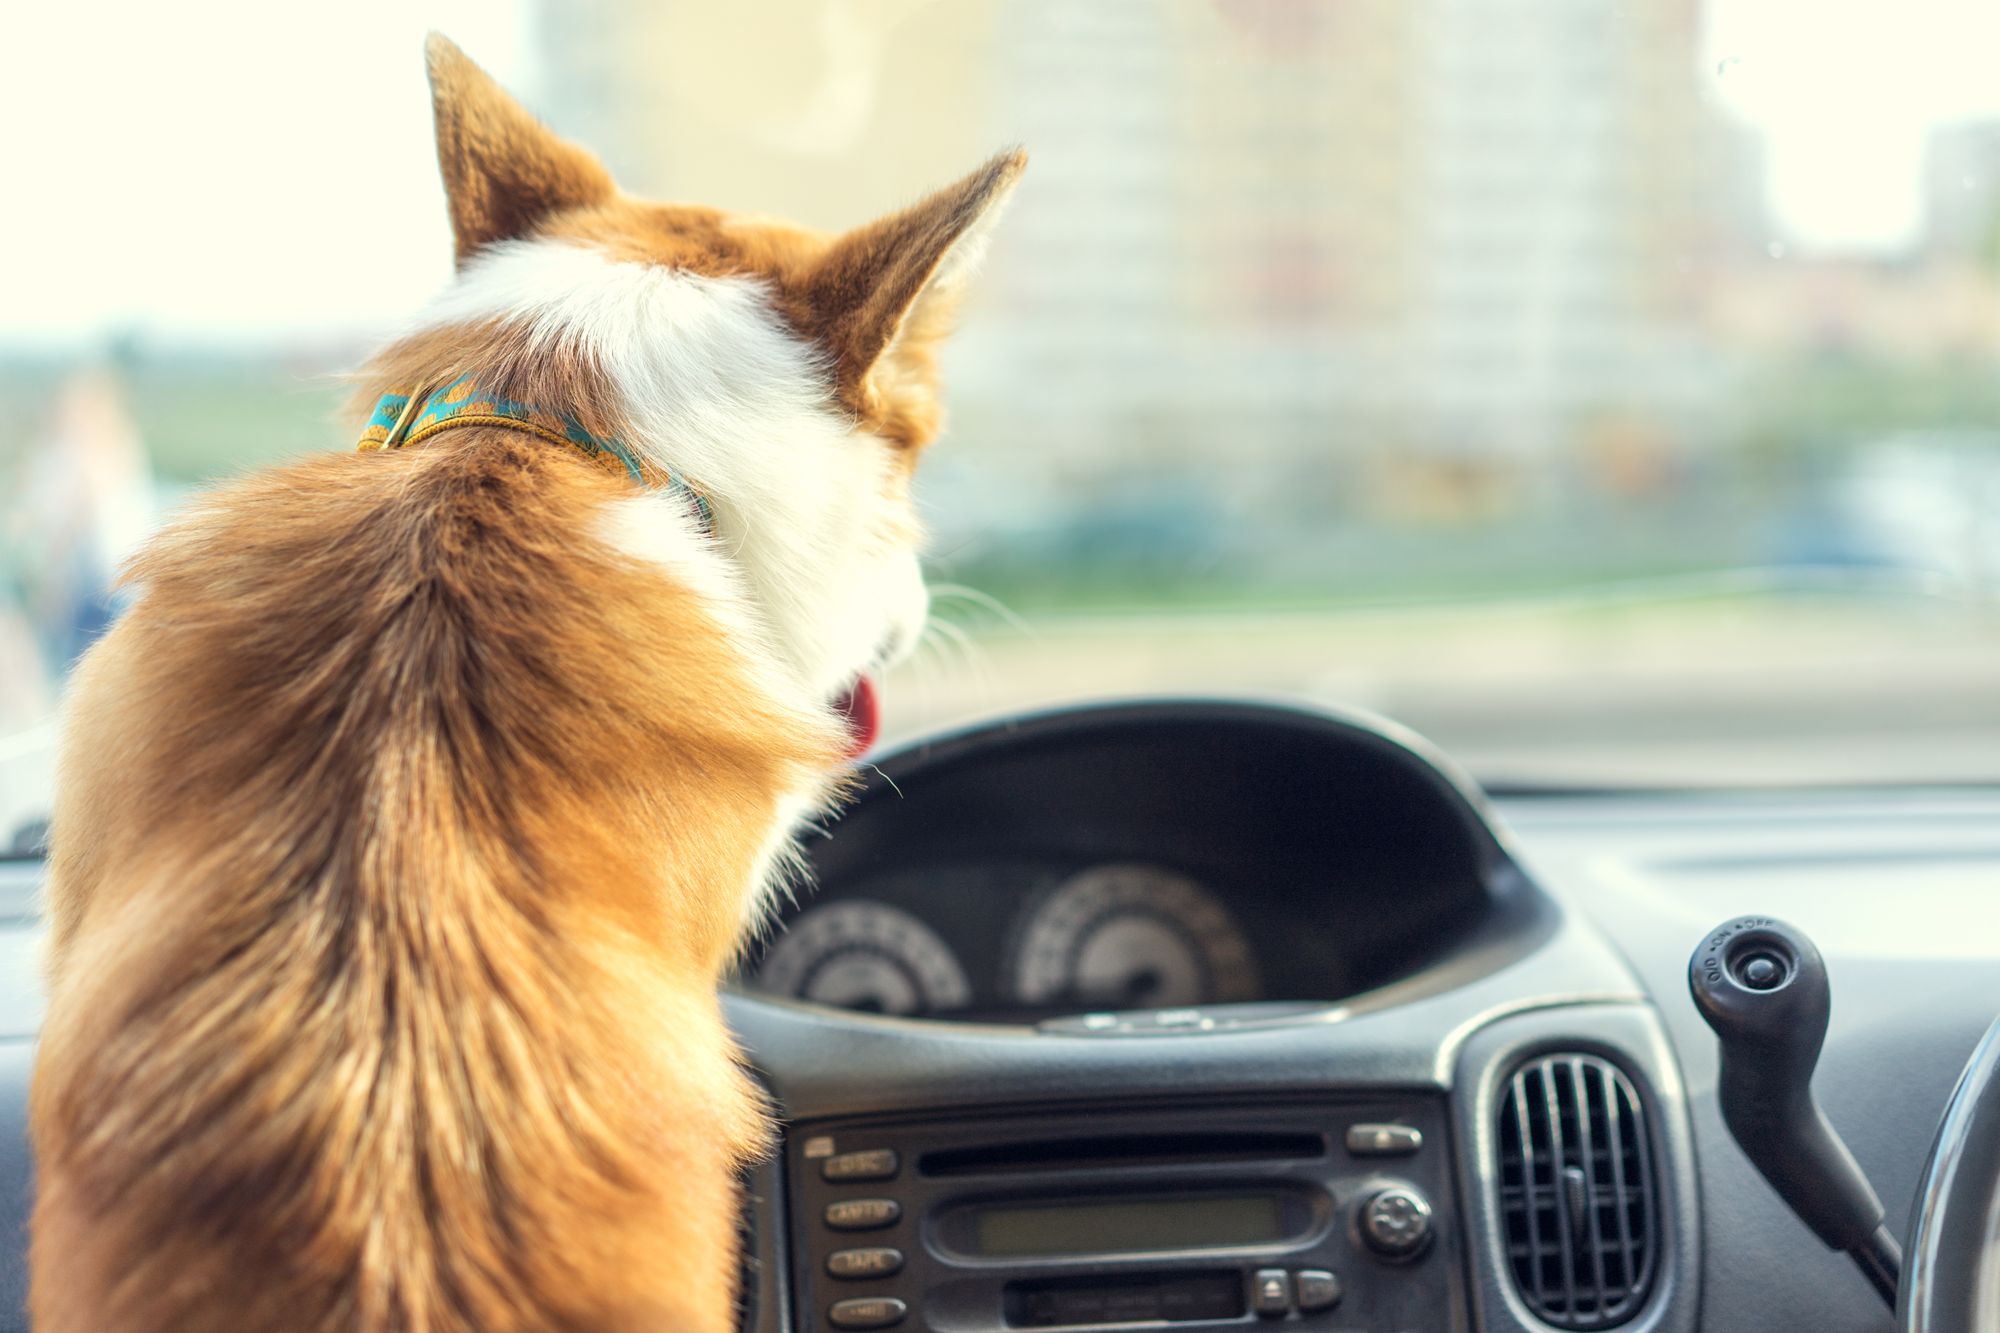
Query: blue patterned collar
point(409, 417)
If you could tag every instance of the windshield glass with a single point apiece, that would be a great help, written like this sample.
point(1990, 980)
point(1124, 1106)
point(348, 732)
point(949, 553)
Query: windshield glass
point(1610, 391)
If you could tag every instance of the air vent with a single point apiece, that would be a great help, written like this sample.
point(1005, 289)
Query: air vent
point(1577, 1191)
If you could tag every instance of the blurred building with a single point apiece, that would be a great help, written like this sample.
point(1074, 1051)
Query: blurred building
point(1338, 237)
point(1569, 191)
point(1962, 192)
point(822, 111)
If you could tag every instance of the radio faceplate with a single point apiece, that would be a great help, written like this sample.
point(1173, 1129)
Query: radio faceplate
point(1335, 1215)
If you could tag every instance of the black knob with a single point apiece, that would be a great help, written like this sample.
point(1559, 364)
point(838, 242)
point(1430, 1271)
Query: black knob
point(1763, 987)
point(1396, 1222)
point(1760, 971)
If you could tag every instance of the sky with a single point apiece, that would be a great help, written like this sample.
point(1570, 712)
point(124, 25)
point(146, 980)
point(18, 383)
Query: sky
point(243, 169)
point(273, 175)
point(1845, 92)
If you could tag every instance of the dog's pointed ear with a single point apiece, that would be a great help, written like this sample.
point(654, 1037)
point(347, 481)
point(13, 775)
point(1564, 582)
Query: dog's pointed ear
point(504, 171)
point(896, 281)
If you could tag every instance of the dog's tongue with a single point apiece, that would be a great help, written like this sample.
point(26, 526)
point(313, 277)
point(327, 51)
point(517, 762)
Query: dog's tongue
point(863, 712)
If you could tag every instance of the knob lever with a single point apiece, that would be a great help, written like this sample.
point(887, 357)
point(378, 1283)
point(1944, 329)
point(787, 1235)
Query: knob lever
point(1762, 986)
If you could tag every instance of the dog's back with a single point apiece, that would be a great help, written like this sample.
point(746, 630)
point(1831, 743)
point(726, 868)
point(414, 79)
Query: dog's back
point(361, 1020)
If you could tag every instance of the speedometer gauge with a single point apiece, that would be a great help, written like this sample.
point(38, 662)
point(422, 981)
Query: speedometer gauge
point(1131, 937)
point(865, 955)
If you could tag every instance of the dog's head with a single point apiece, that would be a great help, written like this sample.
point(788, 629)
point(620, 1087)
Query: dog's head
point(789, 375)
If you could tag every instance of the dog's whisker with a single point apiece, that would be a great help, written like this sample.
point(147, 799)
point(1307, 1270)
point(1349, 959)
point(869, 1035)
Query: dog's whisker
point(964, 592)
point(971, 657)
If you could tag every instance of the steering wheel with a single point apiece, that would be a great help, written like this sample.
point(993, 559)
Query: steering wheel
point(1951, 1278)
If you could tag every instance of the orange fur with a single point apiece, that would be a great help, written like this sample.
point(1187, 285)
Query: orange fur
point(504, 173)
point(388, 940)
point(403, 834)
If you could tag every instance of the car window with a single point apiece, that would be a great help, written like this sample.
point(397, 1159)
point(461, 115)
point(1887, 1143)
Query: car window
point(1610, 391)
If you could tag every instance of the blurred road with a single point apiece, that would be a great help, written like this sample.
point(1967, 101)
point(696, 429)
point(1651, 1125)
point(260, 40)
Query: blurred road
point(1731, 692)
point(1710, 694)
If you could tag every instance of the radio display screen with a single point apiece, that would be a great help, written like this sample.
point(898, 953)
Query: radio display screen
point(1005, 1231)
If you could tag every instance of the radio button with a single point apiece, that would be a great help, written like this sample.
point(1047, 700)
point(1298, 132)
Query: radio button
point(1271, 1292)
point(873, 1164)
point(1383, 1140)
point(1318, 1290)
point(867, 1312)
point(863, 1214)
point(1397, 1223)
point(875, 1261)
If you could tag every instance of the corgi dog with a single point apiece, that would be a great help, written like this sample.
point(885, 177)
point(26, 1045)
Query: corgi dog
point(409, 818)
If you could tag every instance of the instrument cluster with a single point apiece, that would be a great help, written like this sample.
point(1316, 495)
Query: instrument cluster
point(1033, 941)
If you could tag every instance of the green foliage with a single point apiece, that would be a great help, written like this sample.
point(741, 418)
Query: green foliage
point(208, 420)
point(200, 417)
point(1832, 401)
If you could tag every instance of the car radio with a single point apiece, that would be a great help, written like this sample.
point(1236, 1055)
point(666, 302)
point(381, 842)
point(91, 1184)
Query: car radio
point(1330, 1215)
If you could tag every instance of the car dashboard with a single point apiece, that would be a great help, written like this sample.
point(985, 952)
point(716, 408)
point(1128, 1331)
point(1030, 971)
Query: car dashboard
point(1211, 1015)
point(1129, 865)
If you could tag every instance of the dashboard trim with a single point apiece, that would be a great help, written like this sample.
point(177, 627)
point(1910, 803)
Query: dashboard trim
point(951, 745)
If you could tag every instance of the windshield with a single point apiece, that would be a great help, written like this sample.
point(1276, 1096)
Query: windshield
point(1609, 391)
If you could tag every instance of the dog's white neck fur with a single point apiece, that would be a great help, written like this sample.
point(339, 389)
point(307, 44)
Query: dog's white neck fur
point(718, 391)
